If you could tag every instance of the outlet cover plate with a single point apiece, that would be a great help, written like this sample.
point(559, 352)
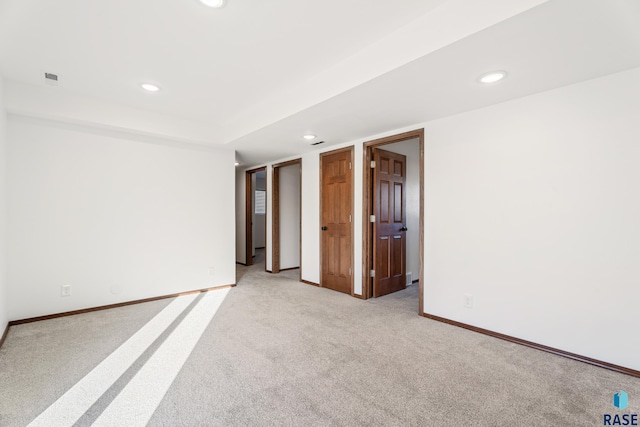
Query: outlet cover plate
point(468, 301)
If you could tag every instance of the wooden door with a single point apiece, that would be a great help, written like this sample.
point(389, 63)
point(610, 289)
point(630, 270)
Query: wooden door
point(389, 230)
point(336, 207)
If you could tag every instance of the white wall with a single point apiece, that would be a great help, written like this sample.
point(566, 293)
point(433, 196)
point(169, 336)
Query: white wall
point(268, 220)
point(115, 217)
point(532, 207)
point(411, 149)
point(310, 201)
point(310, 234)
point(4, 306)
point(310, 182)
point(290, 216)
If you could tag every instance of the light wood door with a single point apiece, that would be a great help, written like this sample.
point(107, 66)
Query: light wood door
point(336, 215)
point(389, 229)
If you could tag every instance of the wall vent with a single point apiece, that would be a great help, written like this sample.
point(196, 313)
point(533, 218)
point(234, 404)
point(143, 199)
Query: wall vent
point(51, 79)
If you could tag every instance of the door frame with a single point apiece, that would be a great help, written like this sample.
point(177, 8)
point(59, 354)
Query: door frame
point(249, 215)
point(351, 150)
point(367, 209)
point(275, 214)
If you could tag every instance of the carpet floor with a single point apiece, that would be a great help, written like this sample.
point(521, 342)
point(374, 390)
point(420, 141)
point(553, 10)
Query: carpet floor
point(274, 351)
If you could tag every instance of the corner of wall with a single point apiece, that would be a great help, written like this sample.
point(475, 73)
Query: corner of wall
point(3, 204)
point(155, 228)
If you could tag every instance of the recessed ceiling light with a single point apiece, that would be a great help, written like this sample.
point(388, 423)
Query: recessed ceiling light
point(150, 87)
point(309, 137)
point(492, 77)
point(212, 3)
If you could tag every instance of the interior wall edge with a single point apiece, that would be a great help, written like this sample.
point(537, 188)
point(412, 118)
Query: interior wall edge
point(111, 131)
point(4, 335)
point(116, 305)
point(547, 349)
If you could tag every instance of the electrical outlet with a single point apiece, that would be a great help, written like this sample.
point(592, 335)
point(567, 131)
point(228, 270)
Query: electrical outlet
point(468, 301)
point(65, 290)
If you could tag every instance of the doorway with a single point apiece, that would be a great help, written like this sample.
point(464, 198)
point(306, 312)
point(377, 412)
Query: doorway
point(255, 215)
point(336, 214)
point(286, 214)
point(377, 261)
point(389, 201)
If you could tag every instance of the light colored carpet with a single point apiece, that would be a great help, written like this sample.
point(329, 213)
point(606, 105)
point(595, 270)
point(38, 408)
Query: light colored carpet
point(279, 352)
point(40, 361)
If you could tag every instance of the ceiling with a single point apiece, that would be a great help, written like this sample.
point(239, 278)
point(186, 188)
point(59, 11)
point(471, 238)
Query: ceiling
point(255, 76)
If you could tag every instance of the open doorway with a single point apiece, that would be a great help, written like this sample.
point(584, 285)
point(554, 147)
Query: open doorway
point(394, 259)
point(256, 215)
point(286, 217)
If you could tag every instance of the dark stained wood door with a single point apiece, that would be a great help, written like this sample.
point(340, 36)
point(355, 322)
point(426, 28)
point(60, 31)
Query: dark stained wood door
point(389, 230)
point(336, 216)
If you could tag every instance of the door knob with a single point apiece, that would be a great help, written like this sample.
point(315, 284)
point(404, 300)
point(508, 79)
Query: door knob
point(324, 228)
point(404, 228)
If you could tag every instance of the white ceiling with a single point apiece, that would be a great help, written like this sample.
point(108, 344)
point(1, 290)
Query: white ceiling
point(209, 61)
point(552, 45)
point(257, 75)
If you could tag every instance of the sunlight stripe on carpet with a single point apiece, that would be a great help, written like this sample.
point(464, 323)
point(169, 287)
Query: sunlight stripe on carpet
point(137, 402)
point(78, 399)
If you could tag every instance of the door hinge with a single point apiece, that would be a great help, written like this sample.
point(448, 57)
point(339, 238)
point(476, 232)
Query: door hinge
point(372, 273)
point(349, 271)
point(373, 164)
point(349, 165)
point(349, 218)
point(372, 218)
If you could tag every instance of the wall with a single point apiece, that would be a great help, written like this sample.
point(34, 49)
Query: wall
point(532, 207)
point(310, 201)
point(116, 217)
point(290, 216)
point(310, 233)
point(4, 306)
point(268, 220)
point(411, 149)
